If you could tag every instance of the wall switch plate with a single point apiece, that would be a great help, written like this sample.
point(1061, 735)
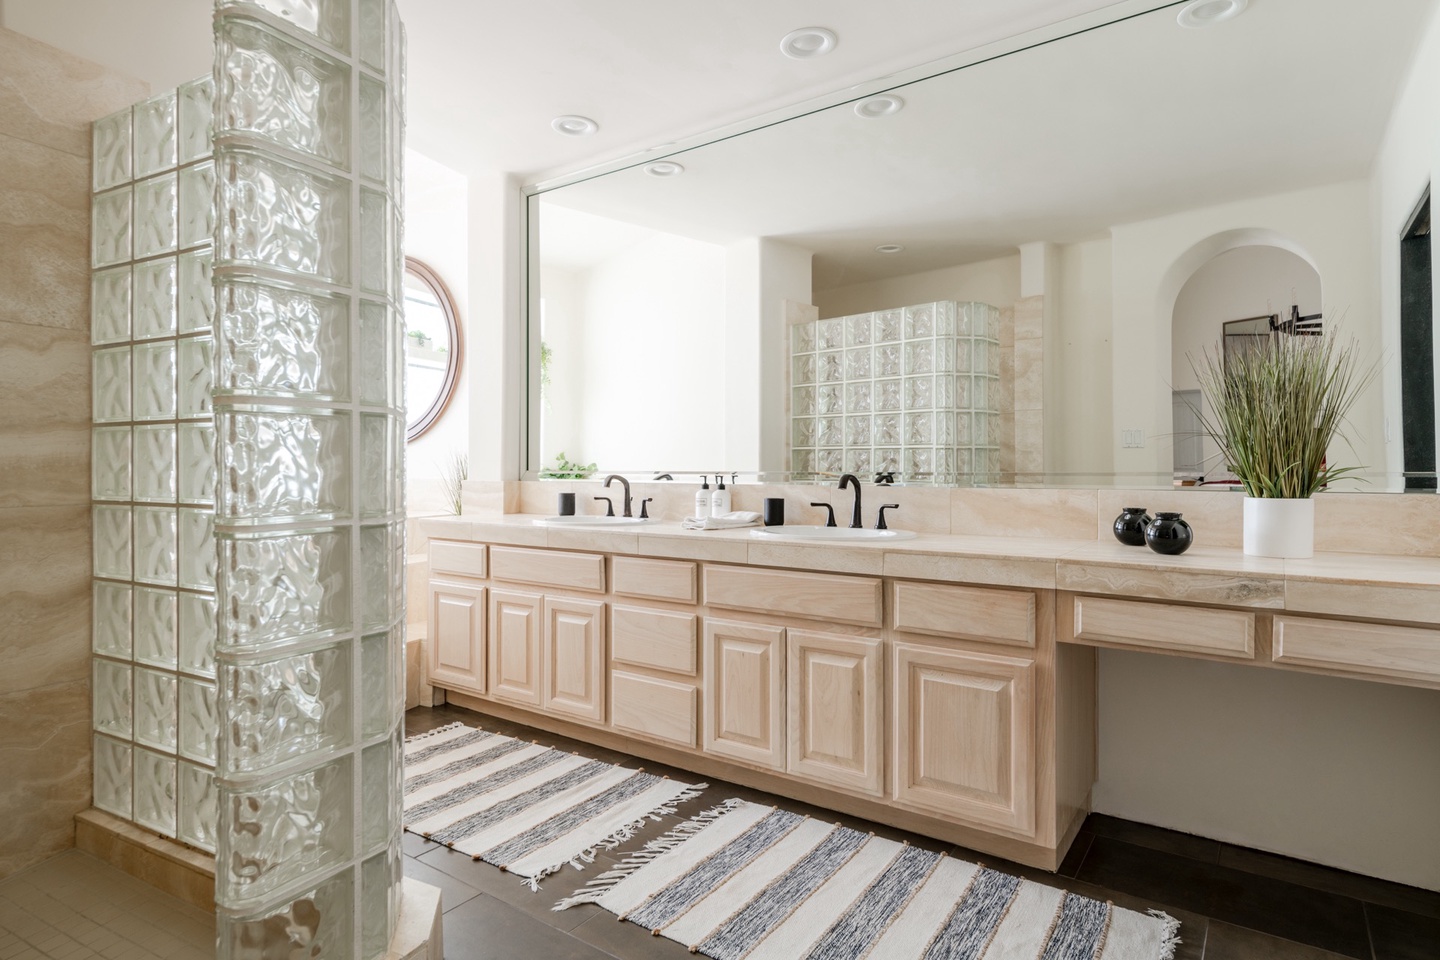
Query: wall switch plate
point(1132, 439)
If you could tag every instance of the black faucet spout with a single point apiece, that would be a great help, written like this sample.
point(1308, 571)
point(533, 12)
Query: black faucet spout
point(852, 481)
point(624, 483)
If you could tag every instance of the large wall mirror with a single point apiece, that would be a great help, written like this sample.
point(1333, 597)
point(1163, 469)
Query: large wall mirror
point(1014, 259)
point(432, 348)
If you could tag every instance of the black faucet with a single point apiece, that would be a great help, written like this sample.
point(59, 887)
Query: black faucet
point(626, 484)
point(849, 479)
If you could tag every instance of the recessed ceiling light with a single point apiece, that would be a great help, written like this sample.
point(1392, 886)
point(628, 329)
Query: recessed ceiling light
point(573, 126)
point(889, 248)
point(882, 106)
point(664, 168)
point(1205, 13)
point(808, 42)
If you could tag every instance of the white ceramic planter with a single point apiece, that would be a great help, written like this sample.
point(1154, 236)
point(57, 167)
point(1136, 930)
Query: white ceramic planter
point(1276, 527)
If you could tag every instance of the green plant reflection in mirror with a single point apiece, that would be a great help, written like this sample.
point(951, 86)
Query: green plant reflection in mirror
point(432, 347)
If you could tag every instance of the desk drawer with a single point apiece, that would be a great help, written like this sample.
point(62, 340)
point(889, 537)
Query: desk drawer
point(450, 556)
point(550, 568)
point(654, 579)
point(1406, 653)
point(816, 596)
point(972, 613)
point(655, 708)
point(1164, 626)
point(653, 638)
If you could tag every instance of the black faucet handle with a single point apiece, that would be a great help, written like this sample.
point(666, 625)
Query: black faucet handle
point(880, 520)
point(609, 506)
point(644, 513)
point(829, 512)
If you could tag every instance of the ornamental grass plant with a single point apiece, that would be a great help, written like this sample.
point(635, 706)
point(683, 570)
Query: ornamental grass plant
point(1275, 409)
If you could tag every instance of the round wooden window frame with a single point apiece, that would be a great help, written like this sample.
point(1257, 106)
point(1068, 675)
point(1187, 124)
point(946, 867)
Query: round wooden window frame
point(452, 371)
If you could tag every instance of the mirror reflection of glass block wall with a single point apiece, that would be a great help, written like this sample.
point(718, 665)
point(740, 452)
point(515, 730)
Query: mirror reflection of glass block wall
point(912, 391)
point(154, 696)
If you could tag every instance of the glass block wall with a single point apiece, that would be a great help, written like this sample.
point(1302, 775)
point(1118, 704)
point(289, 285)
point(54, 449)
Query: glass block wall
point(153, 468)
point(912, 391)
point(309, 500)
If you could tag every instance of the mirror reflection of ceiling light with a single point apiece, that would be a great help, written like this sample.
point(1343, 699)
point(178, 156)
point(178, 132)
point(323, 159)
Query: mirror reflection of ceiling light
point(889, 248)
point(808, 42)
point(884, 105)
point(573, 126)
point(664, 168)
point(1205, 13)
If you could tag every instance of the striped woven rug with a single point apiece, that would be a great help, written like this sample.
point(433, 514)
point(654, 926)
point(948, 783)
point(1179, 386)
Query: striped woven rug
point(527, 809)
point(745, 880)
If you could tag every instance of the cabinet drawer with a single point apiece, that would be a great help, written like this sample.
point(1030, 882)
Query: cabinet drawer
point(1406, 653)
point(653, 638)
point(551, 568)
point(656, 708)
point(815, 596)
point(654, 579)
point(974, 613)
point(449, 556)
point(1164, 626)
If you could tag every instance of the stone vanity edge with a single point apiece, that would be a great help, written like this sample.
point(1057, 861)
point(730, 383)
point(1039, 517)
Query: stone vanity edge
point(1337, 584)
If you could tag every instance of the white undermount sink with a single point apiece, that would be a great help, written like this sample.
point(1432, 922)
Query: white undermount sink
point(831, 534)
point(584, 521)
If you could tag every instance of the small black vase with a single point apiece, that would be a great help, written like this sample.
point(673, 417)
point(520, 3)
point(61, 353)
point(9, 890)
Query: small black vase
point(1168, 534)
point(1130, 526)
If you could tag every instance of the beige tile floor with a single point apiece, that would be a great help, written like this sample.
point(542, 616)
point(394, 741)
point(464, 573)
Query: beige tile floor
point(75, 907)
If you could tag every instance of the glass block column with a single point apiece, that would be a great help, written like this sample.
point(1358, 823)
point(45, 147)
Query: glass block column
point(911, 391)
point(309, 502)
point(153, 466)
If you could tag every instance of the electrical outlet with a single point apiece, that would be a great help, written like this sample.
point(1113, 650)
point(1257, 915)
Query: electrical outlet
point(1132, 439)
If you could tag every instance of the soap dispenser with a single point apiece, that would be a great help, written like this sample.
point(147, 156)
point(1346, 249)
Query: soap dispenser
point(702, 498)
point(720, 499)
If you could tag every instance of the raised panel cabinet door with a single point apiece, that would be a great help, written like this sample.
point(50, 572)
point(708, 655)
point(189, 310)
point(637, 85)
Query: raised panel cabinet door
point(574, 655)
point(457, 635)
point(515, 670)
point(964, 731)
point(833, 702)
point(744, 691)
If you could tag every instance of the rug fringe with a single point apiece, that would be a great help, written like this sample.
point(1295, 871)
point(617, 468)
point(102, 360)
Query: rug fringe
point(437, 731)
point(597, 888)
point(1172, 934)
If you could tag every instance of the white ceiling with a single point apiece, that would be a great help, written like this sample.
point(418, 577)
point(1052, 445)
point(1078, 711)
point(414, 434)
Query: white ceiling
point(487, 76)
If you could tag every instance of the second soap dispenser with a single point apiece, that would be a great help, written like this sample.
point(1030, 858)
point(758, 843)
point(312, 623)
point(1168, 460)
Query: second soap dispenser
point(720, 499)
point(702, 499)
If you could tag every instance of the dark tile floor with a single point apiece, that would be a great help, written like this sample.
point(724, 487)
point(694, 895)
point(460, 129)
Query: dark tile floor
point(1233, 903)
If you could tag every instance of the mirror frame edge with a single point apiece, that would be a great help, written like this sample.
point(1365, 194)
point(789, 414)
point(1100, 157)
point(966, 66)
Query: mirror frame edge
point(441, 402)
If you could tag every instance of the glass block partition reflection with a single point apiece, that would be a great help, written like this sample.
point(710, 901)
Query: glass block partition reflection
point(309, 504)
point(154, 696)
point(912, 391)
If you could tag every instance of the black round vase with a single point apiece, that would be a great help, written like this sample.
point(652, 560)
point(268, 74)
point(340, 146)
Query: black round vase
point(1130, 526)
point(1168, 534)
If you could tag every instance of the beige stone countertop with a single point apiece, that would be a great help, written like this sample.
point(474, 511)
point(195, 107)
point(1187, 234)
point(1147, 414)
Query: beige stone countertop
point(1203, 574)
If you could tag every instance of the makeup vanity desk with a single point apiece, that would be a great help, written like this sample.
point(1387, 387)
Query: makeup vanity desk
point(943, 684)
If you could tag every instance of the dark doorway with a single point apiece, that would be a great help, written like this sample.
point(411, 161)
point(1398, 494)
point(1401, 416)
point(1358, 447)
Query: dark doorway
point(1417, 352)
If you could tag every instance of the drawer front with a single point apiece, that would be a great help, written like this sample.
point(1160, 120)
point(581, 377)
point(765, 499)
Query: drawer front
point(815, 596)
point(551, 568)
point(450, 556)
point(1407, 653)
point(653, 638)
point(972, 613)
point(1163, 626)
point(654, 579)
point(655, 708)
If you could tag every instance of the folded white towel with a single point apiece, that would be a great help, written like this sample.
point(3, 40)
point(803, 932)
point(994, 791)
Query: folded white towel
point(726, 521)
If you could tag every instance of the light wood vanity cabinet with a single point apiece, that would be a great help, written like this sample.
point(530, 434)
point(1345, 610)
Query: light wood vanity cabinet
point(744, 692)
point(834, 698)
point(457, 634)
point(573, 658)
point(515, 646)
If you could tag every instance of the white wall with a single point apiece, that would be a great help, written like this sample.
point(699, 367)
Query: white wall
point(1240, 283)
point(1330, 226)
point(436, 233)
point(1341, 772)
point(1408, 161)
point(563, 401)
point(637, 372)
point(995, 282)
point(1078, 419)
point(496, 346)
